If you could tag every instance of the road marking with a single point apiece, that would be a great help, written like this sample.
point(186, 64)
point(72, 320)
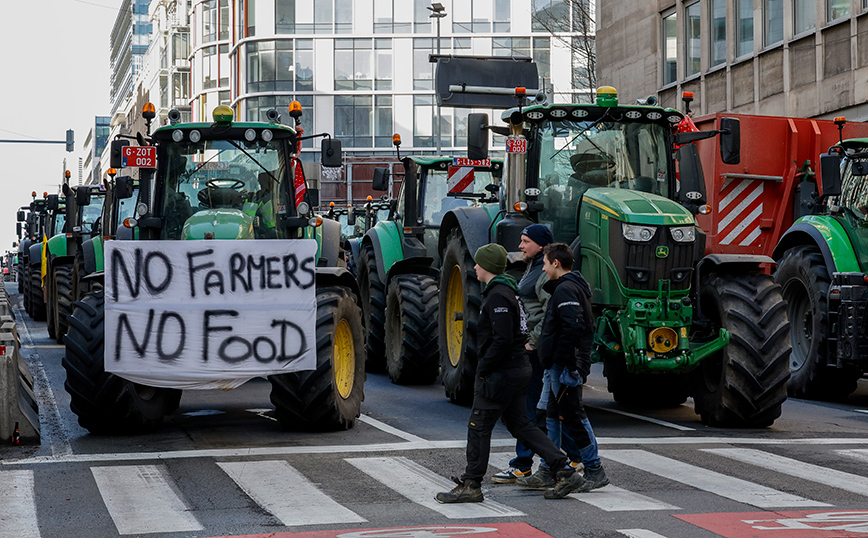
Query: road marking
point(713, 482)
point(140, 500)
point(647, 419)
point(408, 446)
point(640, 533)
point(293, 499)
point(805, 471)
point(614, 499)
point(18, 502)
point(60, 445)
point(420, 485)
point(389, 429)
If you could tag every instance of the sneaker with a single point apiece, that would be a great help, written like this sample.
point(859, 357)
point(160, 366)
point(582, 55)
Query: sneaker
point(568, 482)
point(508, 476)
point(467, 491)
point(577, 466)
point(595, 477)
point(541, 479)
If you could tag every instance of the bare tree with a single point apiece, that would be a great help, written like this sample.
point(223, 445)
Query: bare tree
point(572, 23)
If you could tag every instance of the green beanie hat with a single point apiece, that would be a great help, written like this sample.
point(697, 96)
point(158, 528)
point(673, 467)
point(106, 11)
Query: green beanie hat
point(492, 258)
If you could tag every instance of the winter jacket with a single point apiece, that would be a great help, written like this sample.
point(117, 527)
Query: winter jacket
point(568, 329)
point(534, 298)
point(500, 331)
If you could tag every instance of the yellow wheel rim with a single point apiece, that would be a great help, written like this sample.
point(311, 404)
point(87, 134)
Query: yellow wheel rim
point(344, 359)
point(455, 304)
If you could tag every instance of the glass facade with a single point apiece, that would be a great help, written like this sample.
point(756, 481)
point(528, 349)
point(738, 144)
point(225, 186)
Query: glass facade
point(692, 43)
point(670, 48)
point(717, 10)
point(837, 9)
point(773, 15)
point(803, 16)
point(744, 29)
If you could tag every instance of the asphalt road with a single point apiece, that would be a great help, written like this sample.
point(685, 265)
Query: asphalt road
point(222, 466)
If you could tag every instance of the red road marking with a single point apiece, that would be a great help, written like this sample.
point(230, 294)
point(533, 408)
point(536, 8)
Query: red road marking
point(792, 524)
point(483, 530)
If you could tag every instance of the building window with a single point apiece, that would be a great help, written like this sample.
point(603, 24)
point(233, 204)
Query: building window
point(692, 45)
point(582, 62)
point(180, 88)
point(548, 15)
point(502, 10)
point(421, 20)
point(773, 10)
point(224, 19)
point(383, 121)
point(355, 68)
point(423, 121)
point(245, 18)
point(835, 9)
point(717, 43)
point(392, 16)
point(285, 65)
point(536, 48)
point(353, 120)
point(472, 16)
point(670, 49)
point(313, 16)
point(257, 107)
point(209, 21)
point(423, 70)
point(744, 28)
point(803, 16)
point(210, 70)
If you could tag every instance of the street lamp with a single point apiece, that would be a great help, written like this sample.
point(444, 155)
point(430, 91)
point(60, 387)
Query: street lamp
point(437, 12)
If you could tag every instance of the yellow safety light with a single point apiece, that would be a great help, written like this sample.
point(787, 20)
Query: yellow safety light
point(331, 204)
point(45, 194)
point(148, 108)
point(223, 114)
point(295, 109)
point(396, 139)
point(370, 197)
point(33, 194)
point(66, 174)
point(520, 206)
point(112, 172)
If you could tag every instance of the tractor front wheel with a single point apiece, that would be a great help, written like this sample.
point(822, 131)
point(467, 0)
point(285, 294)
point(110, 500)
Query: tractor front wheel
point(63, 299)
point(411, 330)
point(329, 397)
point(743, 384)
point(372, 294)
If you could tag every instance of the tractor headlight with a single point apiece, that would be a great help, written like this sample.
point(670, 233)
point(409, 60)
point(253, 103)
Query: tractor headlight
point(634, 232)
point(195, 136)
point(303, 208)
point(177, 135)
point(683, 234)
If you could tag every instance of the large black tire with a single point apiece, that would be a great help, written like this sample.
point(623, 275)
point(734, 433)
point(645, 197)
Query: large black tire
point(104, 402)
point(330, 397)
point(744, 384)
point(50, 311)
point(63, 299)
point(24, 290)
point(372, 294)
point(804, 281)
point(457, 328)
point(411, 330)
point(37, 301)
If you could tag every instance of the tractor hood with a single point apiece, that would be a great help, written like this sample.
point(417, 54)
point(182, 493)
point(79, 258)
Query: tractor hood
point(223, 223)
point(636, 207)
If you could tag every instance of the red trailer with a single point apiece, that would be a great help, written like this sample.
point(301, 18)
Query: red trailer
point(753, 203)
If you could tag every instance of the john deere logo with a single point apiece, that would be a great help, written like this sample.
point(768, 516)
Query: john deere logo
point(662, 252)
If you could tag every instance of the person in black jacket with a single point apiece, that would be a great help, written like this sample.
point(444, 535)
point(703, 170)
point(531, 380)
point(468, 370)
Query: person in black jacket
point(565, 350)
point(502, 375)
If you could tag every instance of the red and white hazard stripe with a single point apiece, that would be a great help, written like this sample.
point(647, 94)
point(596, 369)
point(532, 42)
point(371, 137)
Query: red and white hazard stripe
point(300, 188)
point(739, 211)
point(460, 179)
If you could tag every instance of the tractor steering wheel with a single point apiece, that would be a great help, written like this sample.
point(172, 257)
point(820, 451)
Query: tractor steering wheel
point(233, 183)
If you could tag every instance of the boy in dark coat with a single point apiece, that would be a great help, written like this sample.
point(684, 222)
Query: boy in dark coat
point(502, 375)
point(565, 350)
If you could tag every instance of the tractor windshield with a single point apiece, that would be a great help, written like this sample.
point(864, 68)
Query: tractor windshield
point(576, 156)
point(224, 174)
point(854, 188)
point(91, 213)
point(435, 198)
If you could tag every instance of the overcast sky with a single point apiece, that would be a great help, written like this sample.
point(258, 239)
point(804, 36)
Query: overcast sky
point(54, 56)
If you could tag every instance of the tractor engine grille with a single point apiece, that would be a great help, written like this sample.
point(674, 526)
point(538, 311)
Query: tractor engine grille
point(639, 265)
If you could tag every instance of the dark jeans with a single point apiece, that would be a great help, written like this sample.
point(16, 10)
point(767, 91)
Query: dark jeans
point(503, 396)
point(523, 459)
point(565, 403)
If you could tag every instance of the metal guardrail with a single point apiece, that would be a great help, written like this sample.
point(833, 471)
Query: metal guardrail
point(19, 410)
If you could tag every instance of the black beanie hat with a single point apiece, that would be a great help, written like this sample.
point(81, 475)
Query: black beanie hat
point(539, 234)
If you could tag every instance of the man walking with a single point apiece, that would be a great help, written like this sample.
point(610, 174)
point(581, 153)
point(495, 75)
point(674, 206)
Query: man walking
point(565, 350)
point(502, 375)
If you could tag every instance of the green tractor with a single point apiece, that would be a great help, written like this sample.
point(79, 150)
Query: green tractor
point(398, 260)
point(217, 186)
point(621, 187)
point(82, 213)
point(821, 269)
point(39, 222)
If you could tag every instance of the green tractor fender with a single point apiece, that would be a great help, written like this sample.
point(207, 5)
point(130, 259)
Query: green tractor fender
point(93, 255)
point(57, 246)
point(328, 242)
point(828, 236)
point(336, 276)
point(730, 262)
point(476, 225)
point(385, 238)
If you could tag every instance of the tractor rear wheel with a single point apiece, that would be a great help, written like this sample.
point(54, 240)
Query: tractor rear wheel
point(411, 330)
point(804, 282)
point(63, 299)
point(460, 299)
point(37, 301)
point(743, 384)
point(50, 311)
point(372, 294)
point(104, 402)
point(24, 289)
point(329, 397)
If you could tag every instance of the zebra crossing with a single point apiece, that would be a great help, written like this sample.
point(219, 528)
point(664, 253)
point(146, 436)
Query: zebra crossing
point(144, 499)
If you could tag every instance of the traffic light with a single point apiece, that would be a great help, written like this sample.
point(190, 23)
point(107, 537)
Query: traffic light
point(70, 140)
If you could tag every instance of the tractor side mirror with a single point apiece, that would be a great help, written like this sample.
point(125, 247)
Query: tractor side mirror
point(477, 136)
point(692, 192)
point(351, 216)
point(18, 230)
point(331, 153)
point(115, 160)
point(21, 216)
point(82, 196)
point(123, 188)
point(381, 179)
point(730, 140)
point(830, 172)
point(313, 197)
point(859, 168)
point(52, 202)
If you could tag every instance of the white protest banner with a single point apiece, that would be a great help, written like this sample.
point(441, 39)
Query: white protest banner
point(209, 314)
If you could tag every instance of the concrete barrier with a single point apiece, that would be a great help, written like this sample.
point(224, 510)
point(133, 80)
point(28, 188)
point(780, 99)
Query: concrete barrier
point(19, 410)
